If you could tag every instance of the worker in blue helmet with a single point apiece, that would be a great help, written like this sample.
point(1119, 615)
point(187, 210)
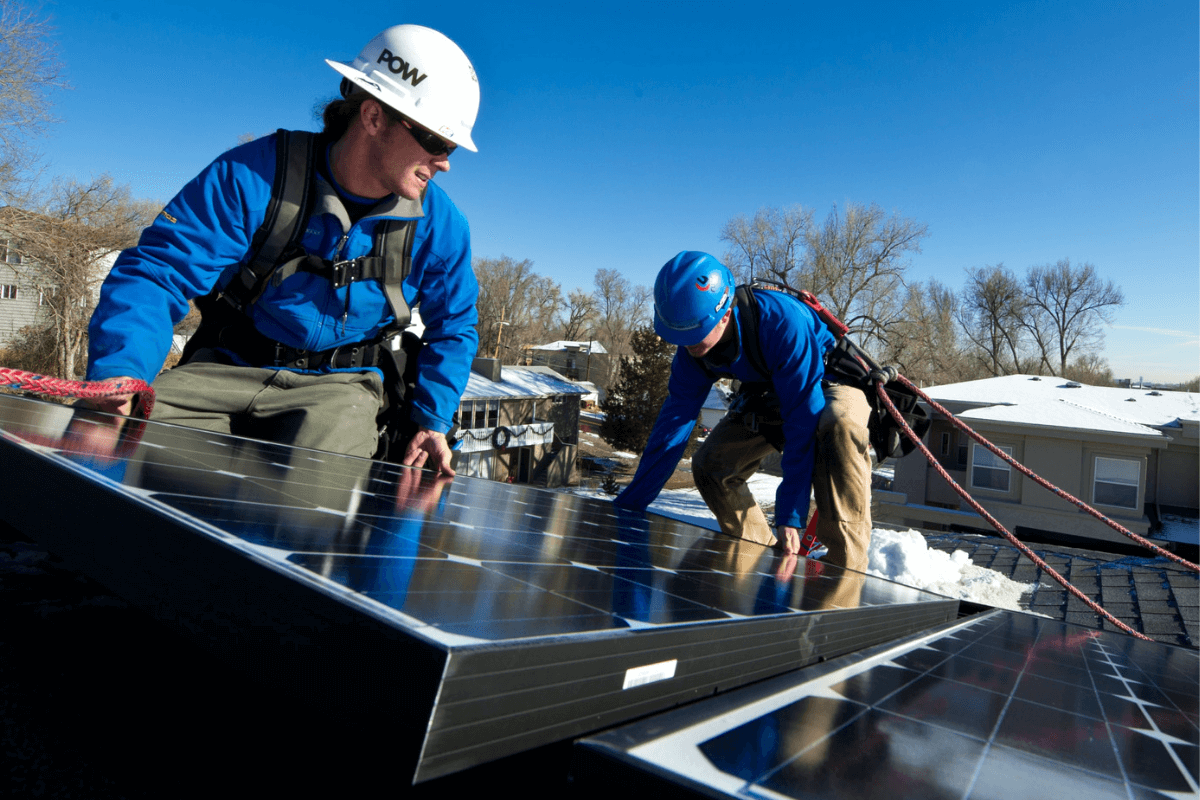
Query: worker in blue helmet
point(782, 405)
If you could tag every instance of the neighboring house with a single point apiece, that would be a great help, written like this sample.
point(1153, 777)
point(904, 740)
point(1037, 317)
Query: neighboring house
point(1132, 454)
point(21, 299)
point(716, 406)
point(518, 424)
point(576, 361)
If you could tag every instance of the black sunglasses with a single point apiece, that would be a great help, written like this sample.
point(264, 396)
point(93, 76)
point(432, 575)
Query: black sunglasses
point(430, 142)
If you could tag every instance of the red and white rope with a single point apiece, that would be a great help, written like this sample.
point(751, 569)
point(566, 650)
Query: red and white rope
point(59, 387)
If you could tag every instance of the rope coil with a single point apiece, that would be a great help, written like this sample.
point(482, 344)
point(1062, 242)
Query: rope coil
point(59, 387)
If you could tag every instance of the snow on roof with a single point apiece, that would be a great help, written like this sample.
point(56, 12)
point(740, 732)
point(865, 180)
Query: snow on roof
point(1048, 401)
point(718, 398)
point(521, 382)
point(596, 347)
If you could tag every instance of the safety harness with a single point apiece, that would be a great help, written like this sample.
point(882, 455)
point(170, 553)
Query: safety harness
point(846, 363)
point(297, 192)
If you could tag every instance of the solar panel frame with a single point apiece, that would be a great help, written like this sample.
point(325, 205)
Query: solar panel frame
point(305, 567)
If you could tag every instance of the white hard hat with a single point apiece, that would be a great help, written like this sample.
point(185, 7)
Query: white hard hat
point(423, 75)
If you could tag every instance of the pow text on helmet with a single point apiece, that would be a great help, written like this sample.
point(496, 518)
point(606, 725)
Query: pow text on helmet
point(400, 67)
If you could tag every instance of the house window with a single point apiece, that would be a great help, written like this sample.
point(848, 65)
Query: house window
point(989, 471)
point(945, 444)
point(11, 254)
point(962, 456)
point(464, 414)
point(1116, 482)
point(480, 414)
point(8, 291)
point(493, 411)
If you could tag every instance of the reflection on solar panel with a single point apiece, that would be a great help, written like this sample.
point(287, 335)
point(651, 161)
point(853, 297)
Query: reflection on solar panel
point(1001, 706)
point(485, 619)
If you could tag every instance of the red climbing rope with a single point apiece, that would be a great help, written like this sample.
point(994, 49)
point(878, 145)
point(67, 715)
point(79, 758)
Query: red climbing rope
point(58, 387)
point(984, 513)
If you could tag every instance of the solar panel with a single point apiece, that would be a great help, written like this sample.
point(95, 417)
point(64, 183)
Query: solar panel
point(483, 618)
point(1004, 705)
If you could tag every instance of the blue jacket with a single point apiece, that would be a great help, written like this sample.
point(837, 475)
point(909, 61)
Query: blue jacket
point(201, 238)
point(793, 342)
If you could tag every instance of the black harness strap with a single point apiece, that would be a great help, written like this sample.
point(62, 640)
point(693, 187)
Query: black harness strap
point(845, 363)
point(294, 195)
point(283, 223)
point(390, 263)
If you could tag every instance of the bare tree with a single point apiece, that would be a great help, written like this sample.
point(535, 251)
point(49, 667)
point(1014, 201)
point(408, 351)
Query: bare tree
point(856, 263)
point(620, 308)
point(67, 247)
point(579, 316)
point(770, 246)
point(1066, 306)
point(30, 71)
point(990, 311)
point(1091, 369)
point(516, 306)
point(924, 342)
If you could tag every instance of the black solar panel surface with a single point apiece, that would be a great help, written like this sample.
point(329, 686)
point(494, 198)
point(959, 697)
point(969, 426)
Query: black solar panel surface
point(537, 615)
point(1007, 706)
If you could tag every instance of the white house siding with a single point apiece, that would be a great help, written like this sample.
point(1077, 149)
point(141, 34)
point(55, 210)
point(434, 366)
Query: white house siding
point(16, 313)
point(24, 310)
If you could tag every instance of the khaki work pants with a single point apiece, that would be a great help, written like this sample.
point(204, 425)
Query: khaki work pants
point(335, 412)
point(841, 478)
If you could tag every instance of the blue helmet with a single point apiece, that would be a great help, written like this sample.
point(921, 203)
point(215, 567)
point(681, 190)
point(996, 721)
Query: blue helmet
point(691, 295)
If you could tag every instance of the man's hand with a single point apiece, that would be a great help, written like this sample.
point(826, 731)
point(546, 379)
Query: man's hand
point(789, 539)
point(116, 404)
point(429, 450)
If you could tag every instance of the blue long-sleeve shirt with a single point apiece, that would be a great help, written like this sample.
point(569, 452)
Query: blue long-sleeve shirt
point(202, 238)
point(793, 342)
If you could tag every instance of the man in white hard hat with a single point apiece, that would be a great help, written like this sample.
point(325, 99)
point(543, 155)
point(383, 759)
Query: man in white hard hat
point(306, 270)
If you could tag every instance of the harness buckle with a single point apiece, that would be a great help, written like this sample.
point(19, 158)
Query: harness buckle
point(343, 273)
point(354, 353)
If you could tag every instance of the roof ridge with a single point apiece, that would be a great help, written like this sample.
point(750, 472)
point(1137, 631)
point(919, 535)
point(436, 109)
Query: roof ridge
point(1107, 414)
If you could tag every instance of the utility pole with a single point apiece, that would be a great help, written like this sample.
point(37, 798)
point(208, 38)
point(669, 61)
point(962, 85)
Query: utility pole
point(499, 328)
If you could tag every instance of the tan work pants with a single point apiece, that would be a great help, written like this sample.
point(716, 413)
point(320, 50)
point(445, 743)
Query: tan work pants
point(841, 478)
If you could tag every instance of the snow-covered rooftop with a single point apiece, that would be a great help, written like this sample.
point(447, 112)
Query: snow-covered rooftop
point(521, 382)
point(1047, 401)
point(596, 347)
point(718, 398)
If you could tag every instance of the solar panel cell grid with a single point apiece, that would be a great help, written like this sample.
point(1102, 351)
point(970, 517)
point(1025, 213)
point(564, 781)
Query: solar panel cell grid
point(548, 601)
point(1052, 711)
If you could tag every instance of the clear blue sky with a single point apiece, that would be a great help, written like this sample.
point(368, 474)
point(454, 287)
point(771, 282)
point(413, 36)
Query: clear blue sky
point(616, 134)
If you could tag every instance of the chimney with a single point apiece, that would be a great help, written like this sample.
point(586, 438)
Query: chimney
point(488, 368)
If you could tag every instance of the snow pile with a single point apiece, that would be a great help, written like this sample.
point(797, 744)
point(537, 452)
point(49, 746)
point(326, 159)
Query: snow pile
point(903, 557)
